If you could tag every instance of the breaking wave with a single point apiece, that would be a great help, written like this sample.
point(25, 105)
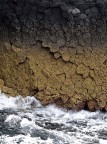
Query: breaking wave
point(26, 121)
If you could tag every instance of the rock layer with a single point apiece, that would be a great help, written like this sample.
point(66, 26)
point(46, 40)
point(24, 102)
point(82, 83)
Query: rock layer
point(56, 23)
point(80, 83)
point(55, 50)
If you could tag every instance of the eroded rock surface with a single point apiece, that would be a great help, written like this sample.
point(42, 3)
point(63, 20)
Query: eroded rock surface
point(57, 23)
point(79, 83)
point(55, 50)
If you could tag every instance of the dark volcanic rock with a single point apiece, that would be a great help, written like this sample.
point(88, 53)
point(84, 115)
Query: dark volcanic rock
point(20, 20)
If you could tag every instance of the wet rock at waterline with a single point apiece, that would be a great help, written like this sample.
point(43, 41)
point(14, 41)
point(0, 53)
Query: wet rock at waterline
point(81, 84)
point(55, 51)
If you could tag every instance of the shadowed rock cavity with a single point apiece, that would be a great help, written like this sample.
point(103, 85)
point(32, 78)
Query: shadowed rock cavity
point(55, 50)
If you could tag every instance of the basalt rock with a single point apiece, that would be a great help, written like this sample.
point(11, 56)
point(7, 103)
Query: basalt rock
point(56, 23)
point(55, 50)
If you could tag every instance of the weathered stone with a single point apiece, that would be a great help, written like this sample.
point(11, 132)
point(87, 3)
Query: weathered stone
point(9, 91)
point(75, 11)
point(57, 55)
point(16, 49)
point(65, 17)
point(46, 73)
point(54, 80)
point(92, 105)
point(83, 16)
point(89, 84)
point(80, 106)
point(66, 56)
point(1, 84)
point(82, 69)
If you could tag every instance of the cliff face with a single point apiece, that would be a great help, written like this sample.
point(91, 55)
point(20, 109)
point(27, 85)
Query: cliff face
point(55, 50)
point(56, 23)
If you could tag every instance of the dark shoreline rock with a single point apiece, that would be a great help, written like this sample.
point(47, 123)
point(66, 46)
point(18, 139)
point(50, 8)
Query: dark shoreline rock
point(54, 23)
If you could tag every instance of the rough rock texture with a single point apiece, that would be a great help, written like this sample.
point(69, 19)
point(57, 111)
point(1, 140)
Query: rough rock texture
point(80, 83)
point(55, 50)
point(56, 23)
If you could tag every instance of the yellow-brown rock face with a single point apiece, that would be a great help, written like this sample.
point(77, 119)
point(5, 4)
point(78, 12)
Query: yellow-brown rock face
point(69, 77)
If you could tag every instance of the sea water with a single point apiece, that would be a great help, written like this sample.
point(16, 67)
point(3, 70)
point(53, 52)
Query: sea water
point(26, 121)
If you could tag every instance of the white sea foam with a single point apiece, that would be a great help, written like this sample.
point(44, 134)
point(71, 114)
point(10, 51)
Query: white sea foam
point(12, 120)
point(103, 142)
point(17, 102)
point(50, 124)
point(24, 140)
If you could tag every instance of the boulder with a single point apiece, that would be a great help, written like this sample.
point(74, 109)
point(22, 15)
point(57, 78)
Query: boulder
point(92, 105)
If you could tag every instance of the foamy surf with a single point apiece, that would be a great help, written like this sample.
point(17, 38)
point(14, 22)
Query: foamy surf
point(26, 121)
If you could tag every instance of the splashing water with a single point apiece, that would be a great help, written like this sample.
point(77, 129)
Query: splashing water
point(26, 121)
